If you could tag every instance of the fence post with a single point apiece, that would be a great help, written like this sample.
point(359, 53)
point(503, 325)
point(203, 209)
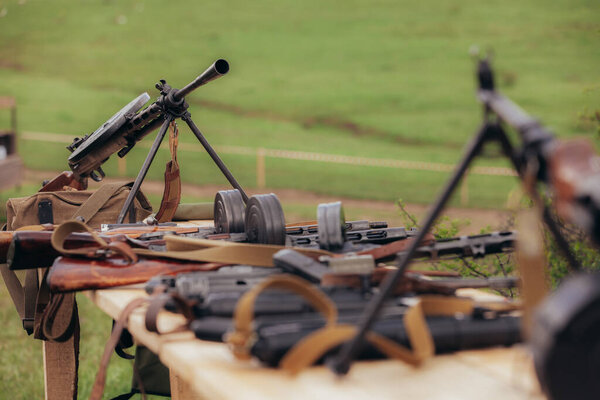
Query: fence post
point(260, 168)
point(122, 164)
point(464, 190)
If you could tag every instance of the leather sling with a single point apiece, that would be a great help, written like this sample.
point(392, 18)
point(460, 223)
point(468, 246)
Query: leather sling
point(172, 191)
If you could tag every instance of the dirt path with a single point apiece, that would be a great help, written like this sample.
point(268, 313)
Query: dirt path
point(354, 208)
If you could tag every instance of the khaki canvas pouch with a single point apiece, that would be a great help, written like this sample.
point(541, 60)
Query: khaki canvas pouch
point(95, 207)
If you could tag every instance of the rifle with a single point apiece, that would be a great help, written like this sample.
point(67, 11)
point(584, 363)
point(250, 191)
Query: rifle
point(33, 249)
point(91, 275)
point(356, 270)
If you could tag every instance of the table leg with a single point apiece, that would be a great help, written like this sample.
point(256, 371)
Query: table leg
point(61, 362)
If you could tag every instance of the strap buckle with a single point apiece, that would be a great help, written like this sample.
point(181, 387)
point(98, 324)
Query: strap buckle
point(28, 324)
point(240, 343)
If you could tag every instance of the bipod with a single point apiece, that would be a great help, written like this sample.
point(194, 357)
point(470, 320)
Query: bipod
point(172, 105)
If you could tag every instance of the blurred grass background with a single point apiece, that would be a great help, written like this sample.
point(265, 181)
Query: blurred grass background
point(384, 79)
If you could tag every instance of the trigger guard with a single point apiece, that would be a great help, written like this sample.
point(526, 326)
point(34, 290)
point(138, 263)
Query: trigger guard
point(97, 176)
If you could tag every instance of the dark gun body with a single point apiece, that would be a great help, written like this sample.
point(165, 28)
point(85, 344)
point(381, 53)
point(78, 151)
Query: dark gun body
point(380, 235)
point(569, 167)
point(283, 318)
point(275, 335)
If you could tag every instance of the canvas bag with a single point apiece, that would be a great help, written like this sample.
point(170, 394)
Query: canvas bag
point(94, 207)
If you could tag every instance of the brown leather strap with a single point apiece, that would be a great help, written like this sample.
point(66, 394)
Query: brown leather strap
point(230, 252)
point(59, 303)
point(241, 339)
point(157, 304)
point(201, 250)
point(15, 289)
point(308, 350)
point(314, 346)
point(121, 323)
point(63, 231)
point(172, 191)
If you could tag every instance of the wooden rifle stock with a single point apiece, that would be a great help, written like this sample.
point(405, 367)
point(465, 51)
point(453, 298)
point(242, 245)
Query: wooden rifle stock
point(66, 178)
point(33, 249)
point(73, 274)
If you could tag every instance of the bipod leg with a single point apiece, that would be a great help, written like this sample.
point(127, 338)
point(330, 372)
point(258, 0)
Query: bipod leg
point(144, 170)
point(341, 363)
point(213, 154)
point(550, 222)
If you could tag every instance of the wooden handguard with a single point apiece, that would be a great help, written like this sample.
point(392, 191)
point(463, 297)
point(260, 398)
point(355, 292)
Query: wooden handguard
point(73, 274)
point(66, 178)
point(574, 169)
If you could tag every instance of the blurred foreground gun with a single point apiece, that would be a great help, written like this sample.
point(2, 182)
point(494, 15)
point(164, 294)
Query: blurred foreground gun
point(571, 169)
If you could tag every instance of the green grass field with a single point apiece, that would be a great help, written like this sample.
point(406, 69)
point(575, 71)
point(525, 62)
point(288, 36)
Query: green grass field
point(384, 79)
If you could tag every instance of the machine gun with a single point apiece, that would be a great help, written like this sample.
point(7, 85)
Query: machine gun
point(130, 125)
point(569, 168)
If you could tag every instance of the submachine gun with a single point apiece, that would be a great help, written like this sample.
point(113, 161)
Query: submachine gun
point(130, 125)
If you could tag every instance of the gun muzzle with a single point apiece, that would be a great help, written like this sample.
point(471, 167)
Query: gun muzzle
point(218, 69)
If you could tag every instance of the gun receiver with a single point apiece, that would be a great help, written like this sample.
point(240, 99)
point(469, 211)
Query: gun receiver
point(127, 127)
point(570, 168)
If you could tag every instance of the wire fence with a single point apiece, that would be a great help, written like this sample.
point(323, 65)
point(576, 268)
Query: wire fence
point(261, 153)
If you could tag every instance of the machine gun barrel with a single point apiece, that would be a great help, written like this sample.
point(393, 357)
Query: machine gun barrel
point(216, 70)
point(531, 131)
point(126, 128)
